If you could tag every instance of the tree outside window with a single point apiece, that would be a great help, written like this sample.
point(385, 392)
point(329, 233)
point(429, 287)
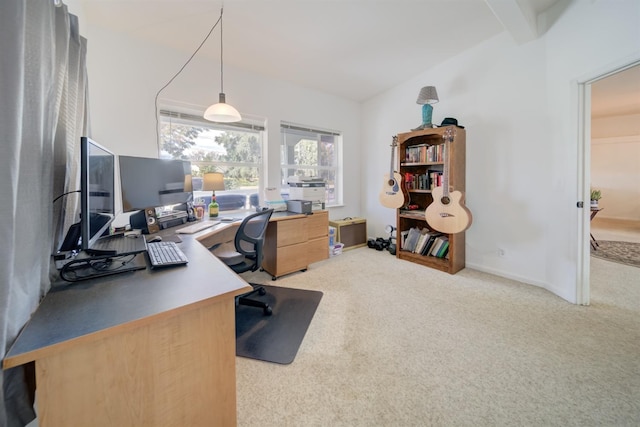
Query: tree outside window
point(234, 150)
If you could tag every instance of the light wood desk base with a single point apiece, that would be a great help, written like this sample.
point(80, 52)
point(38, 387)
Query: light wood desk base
point(146, 348)
point(175, 371)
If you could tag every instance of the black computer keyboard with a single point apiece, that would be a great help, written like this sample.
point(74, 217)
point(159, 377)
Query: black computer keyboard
point(165, 254)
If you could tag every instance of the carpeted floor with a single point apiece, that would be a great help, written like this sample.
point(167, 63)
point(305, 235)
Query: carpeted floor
point(622, 252)
point(397, 344)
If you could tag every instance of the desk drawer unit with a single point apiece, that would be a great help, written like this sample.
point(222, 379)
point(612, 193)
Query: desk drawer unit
point(352, 232)
point(285, 246)
point(318, 244)
point(291, 244)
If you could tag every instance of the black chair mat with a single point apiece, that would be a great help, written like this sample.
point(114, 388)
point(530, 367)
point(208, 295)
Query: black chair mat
point(275, 338)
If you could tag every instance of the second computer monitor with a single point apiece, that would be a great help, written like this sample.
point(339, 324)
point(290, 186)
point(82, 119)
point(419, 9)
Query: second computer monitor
point(149, 182)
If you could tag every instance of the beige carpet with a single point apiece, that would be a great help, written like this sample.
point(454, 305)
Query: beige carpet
point(397, 344)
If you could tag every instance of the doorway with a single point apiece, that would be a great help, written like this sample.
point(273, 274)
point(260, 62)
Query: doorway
point(609, 107)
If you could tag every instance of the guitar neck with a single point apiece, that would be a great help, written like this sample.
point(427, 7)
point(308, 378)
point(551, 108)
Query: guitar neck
point(447, 137)
point(393, 146)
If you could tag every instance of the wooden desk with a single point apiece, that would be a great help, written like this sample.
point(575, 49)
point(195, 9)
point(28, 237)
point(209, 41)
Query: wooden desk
point(146, 348)
point(292, 242)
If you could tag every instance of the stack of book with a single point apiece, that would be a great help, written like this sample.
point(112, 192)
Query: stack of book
point(424, 153)
point(426, 181)
point(425, 242)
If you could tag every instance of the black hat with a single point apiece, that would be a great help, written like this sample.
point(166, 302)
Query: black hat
point(450, 121)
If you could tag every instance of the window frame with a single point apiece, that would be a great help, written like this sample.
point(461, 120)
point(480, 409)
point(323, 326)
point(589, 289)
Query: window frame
point(336, 168)
point(249, 125)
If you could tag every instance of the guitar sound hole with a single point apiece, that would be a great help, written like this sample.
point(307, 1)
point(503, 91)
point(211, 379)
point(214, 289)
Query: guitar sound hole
point(445, 200)
point(391, 183)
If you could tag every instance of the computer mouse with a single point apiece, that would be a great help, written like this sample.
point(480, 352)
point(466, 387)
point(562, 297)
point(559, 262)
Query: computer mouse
point(155, 239)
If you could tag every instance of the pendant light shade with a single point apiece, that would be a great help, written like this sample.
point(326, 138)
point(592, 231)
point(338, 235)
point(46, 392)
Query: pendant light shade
point(222, 112)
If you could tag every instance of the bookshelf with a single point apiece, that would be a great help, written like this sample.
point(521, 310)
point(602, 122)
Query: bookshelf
point(421, 166)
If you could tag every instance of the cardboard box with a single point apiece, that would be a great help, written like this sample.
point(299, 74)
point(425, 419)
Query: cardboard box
point(351, 232)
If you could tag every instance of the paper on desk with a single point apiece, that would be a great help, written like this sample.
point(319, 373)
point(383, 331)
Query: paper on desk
point(273, 199)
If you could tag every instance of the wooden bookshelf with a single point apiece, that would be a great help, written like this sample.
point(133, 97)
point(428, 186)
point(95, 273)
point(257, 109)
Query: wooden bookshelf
point(418, 157)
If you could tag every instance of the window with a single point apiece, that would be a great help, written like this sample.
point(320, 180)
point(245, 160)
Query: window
point(235, 149)
point(312, 153)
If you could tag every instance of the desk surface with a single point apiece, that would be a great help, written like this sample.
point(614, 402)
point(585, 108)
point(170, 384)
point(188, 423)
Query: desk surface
point(80, 311)
point(83, 310)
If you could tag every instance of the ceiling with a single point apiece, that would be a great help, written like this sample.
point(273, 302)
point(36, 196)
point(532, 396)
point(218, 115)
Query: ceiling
point(354, 49)
point(351, 48)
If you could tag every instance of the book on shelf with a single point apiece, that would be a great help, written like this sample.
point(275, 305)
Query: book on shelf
point(422, 240)
point(412, 239)
point(429, 243)
point(436, 246)
point(403, 238)
point(443, 248)
point(418, 213)
point(424, 153)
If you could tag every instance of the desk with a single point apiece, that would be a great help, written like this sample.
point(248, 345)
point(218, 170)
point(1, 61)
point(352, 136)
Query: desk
point(146, 348)
point(594, 242)
point(292, 241)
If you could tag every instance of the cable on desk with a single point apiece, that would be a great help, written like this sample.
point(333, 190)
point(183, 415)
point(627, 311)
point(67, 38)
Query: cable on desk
point(94, 267)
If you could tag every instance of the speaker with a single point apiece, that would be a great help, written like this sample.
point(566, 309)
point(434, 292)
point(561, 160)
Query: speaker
point(191, 211)
point(145, 220)
point(352, 232)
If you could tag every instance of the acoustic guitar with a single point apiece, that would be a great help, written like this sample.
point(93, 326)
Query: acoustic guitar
point(392, 195)
point(447, 213)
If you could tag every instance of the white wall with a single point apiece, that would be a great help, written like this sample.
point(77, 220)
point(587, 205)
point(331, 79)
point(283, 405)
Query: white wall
point(520, 108)
point(615, 165)
point(125, 76)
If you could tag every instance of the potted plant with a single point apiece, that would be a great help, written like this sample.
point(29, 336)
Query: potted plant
point(595, 196)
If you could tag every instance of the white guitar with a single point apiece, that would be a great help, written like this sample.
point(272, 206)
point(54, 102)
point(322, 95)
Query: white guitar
point(392, 195)
point(447, 213)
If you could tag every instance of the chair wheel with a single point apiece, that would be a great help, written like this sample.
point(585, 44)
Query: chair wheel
point(262, 291)
point(273, 278)
point(267, 311)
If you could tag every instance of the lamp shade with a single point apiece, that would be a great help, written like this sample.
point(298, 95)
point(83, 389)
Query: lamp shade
point(427, 95)
point(222, 112)
point(188, 184)
point(213, 181)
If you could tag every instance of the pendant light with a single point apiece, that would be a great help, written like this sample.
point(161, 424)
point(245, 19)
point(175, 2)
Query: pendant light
point(222, 112)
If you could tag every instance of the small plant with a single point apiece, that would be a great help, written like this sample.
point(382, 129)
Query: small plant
point(596, 194)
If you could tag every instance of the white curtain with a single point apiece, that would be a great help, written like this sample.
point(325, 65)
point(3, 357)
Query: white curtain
point(42, 116)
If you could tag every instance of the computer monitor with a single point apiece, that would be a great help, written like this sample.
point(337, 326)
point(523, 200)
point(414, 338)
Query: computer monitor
point(97, 206)
point(149, 182)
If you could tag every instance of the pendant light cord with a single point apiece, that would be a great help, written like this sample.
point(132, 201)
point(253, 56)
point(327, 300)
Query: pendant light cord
point(221, 68)
point(219, 21)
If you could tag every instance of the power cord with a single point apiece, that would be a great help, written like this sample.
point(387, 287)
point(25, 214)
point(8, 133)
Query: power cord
point(96, 266)
point(178, 73)
point(64, 194)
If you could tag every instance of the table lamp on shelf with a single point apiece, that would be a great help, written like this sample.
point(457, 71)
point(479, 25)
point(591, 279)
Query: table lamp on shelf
point(427, 96)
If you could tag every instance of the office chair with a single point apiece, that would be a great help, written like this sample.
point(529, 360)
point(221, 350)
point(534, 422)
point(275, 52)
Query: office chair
point(249, 241)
